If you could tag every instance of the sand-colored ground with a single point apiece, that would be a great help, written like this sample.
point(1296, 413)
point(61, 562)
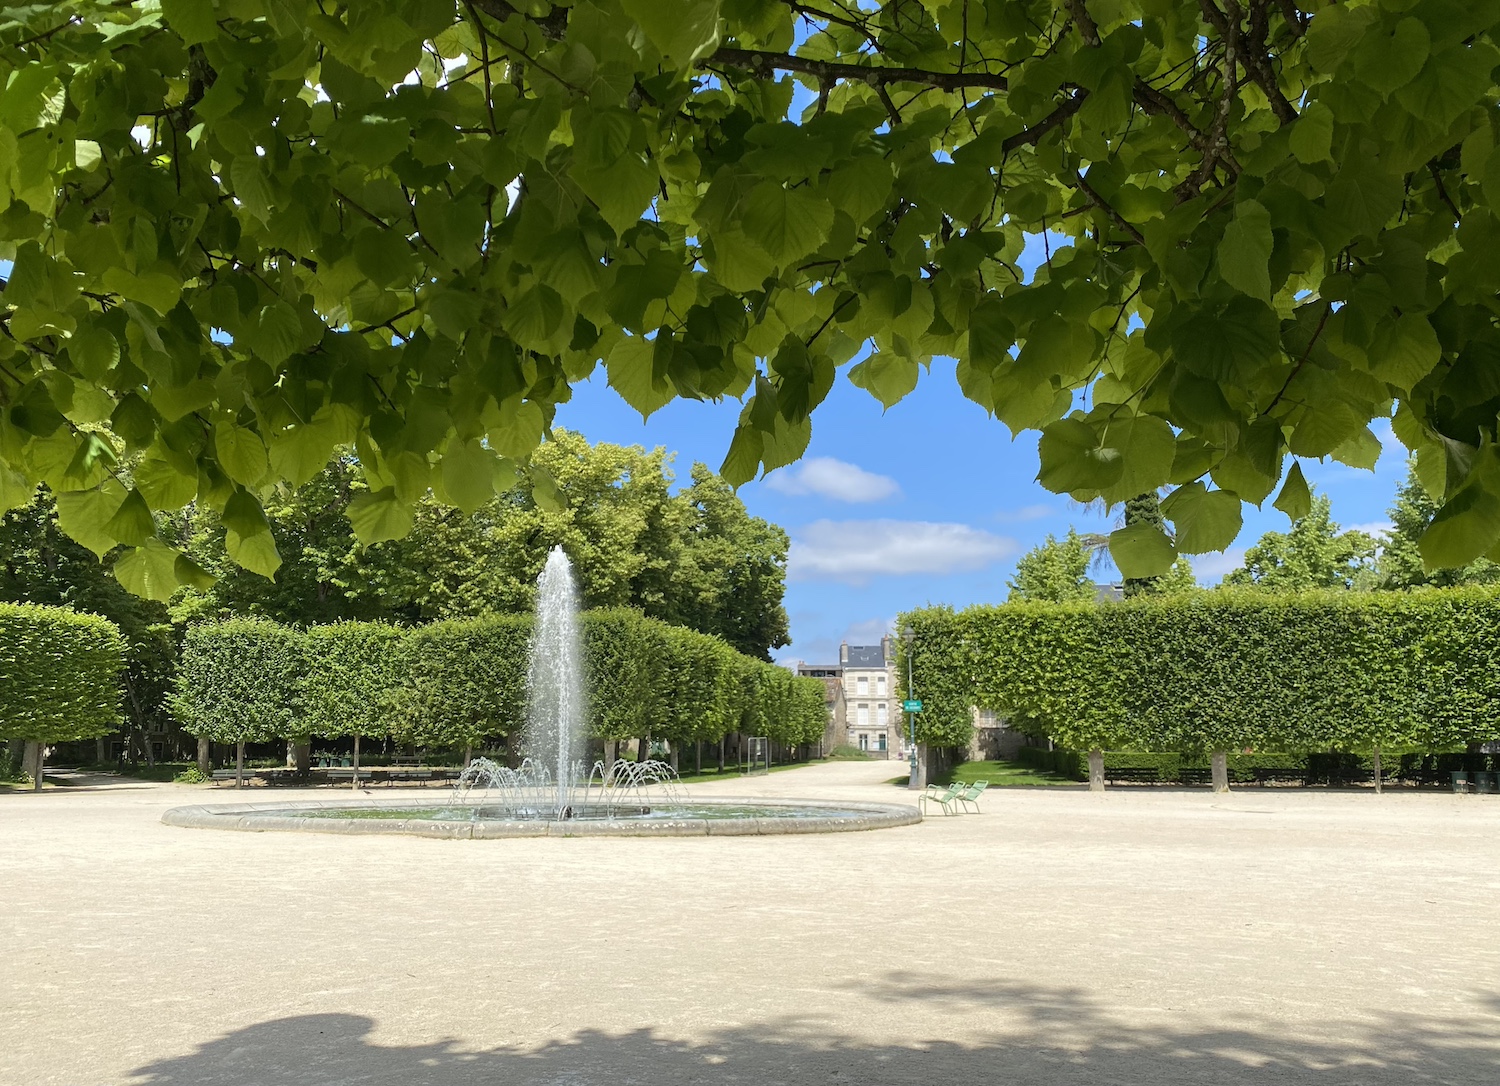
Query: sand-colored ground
point(1140, 937)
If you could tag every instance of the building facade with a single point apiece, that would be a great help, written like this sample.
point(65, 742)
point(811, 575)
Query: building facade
point(864, 710)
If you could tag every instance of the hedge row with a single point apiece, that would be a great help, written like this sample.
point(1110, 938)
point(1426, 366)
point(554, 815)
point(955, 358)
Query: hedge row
point(1395, 672)
point(59, 674)
point(460, 682)
point(1314, 768)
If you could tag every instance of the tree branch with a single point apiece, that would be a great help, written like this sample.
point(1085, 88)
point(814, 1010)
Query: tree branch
point(1027, 136)
point(762, 61)
point(1103, 205)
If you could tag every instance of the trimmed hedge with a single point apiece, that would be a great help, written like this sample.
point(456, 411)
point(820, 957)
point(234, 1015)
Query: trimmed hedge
point(459, 682)
point(59, 674)
point(1397, 672)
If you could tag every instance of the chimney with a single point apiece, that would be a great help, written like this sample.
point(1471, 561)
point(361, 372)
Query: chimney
point(886, 655)
point(844, 652)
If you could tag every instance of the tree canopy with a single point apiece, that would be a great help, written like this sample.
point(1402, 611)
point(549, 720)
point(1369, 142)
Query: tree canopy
point(245, 232)
point(1314, 554)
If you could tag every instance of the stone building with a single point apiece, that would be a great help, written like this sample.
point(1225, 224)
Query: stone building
point(864, 710)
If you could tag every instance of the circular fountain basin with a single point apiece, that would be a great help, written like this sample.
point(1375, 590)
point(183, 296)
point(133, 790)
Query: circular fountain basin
point(718, 817)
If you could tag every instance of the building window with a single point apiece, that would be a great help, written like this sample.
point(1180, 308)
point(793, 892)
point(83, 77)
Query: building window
point(882, 717)
point(880, 740)
point(880, 684)
point(864, 741)
point(864, 684)
point(862, 714)
point(987, 718)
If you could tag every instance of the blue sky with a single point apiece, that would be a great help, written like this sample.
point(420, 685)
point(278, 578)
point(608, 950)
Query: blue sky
point(929, 502)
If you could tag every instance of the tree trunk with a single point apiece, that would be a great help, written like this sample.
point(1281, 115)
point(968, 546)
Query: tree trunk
point(611, 754)
point(302, 757)
point(99, 750)
point(1376, 760)
point(239, 765)
point(31, 762)
point(673, 756)
point(1096, 770)
point(354, 780)
point(698, 756)
point(204, 755)
point(1219, 763)
point(468, 754)
point(643, 751)
point(722, 740)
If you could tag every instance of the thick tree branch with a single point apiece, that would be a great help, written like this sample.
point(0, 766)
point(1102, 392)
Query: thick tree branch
point(1029, 136)
point(1087, 28)
point(761, 61)
point(1103, 205)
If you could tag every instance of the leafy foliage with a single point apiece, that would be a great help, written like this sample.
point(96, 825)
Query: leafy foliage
point(695, 558)
point(241, 681)
point(59, 674)
point(1225, 670)
point(1314, 554)
point(1055, 571)
point(1400, 562)
point(244, 232)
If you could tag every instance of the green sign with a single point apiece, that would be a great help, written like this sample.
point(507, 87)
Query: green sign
point(911, 706)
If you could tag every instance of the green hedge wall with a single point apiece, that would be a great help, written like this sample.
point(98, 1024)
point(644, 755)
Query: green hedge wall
point(1227, 671)
point(59, 674)
point(458, 682)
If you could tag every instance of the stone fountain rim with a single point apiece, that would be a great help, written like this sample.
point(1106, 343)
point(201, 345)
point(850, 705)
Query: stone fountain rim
point(275, 816)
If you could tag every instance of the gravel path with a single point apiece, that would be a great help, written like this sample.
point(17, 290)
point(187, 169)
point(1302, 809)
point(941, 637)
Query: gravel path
point(1141, 937)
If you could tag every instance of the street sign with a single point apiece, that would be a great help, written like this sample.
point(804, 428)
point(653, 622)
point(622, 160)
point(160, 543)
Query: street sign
point(911, 706)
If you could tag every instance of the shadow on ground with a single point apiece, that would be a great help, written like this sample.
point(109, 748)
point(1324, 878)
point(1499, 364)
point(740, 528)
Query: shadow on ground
point(1056, 1036)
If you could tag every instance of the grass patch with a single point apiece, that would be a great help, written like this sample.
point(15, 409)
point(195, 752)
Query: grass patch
point(161, 771)
point(711, 773)
point(1000, 774)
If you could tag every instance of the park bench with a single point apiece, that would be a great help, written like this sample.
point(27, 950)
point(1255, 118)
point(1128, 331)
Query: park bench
point(969, 797)
point(946, 798)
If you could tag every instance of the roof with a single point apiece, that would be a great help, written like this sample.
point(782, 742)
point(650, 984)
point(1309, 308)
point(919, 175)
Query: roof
point(866, 656)
point(1108, 593)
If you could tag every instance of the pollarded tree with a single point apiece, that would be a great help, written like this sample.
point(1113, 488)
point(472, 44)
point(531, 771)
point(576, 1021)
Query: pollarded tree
point(59, 678)
point(247, 231)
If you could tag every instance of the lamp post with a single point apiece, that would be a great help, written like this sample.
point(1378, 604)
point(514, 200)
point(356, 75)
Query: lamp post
point(908, 638)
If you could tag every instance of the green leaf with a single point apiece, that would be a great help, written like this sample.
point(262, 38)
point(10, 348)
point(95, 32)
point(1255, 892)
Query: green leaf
point(1205, 520)
point(192, 20)
point(1245, 251)
point(1452, 82)
point(1145, 446)
point(468, 474)
point(861, 187)
point(886, 376)
point(1141, 550)
point(277, 333)
point(132, 523)
point(1295, 499)
point(85, 514)
point(787, 223)
point(535, 318)
point(1465, 527)
point(250, 186)
point(95, 352)
point(1072, 460)
point(1387, 60)
point(155, 289)
point(301, 451)
point(683, 30)
point(548, 496)
point(632, 375)
point(1364, 198)
point(742, 461)
point(1405, 351)
point(149, 570)
point(15, 489)
point(1360, 451)
point(1312, 134)
point(241, 453)
point(192, 574)
point(256, 553)
point(379, 516)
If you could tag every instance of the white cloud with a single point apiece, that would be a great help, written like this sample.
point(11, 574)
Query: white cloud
point(1024, 514)
point(1377, 528)
point(854, 551)
point(1211, 568)
point(826, 477)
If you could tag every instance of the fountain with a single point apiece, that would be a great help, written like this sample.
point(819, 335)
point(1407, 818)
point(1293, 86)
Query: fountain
point(553, 791)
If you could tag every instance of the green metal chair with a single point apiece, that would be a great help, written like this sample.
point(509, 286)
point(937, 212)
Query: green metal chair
point(969, 797)
point(946, 798)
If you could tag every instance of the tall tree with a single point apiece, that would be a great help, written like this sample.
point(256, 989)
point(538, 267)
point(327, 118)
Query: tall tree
point(1314, 554)
point(1055, 571)
point(1400, 564)
point(245, 233)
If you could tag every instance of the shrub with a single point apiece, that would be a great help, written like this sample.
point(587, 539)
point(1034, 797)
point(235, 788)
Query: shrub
point(1397, 672)
point(59, 674)
point(240, 681)
point(354, 674)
